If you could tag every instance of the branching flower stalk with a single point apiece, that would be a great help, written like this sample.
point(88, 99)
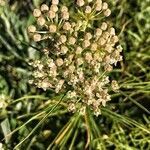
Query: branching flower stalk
point(79, 50)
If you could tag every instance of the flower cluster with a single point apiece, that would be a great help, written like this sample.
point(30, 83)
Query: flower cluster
point(80, 48)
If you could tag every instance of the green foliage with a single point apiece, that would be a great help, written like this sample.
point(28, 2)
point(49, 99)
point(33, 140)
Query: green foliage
point(34, 119)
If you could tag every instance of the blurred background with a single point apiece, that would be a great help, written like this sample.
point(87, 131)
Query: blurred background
point(124, 123)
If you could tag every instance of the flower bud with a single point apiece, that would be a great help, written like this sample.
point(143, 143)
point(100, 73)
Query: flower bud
point(88, 10)
point(55, 2)
point(54, 8)
point(59, 62)
point(31, 29)
point(72, 40)
point(51, 14)
point(66, 26)
point(65, 15)
point(37, 37)
point(98, 7)
point(86, 43)
point(93, 46)
point(107, 12)
point(88, 57)
point(79, 50)
point(79, 61)
point(104, 26)
point(80, 3)
point(98, 2)
point(104, 6)
point(64, 49)
point(41, 21)
point(36, 13)
point(63, 39)
point(108, 48)
point(52, 28)
point(71, 68)
point(64, 9)
point(89, 1)
point(112, 31)
point(115, 39)
point(44, 7)
point(98, 32)
point(106, 35)
point(102, 41)
point(88, 36)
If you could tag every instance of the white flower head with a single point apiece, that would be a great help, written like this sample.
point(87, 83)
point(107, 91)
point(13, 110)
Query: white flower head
point(78, 53)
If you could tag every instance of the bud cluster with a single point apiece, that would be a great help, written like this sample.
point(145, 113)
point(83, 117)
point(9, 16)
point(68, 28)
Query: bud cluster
point(79, 52)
